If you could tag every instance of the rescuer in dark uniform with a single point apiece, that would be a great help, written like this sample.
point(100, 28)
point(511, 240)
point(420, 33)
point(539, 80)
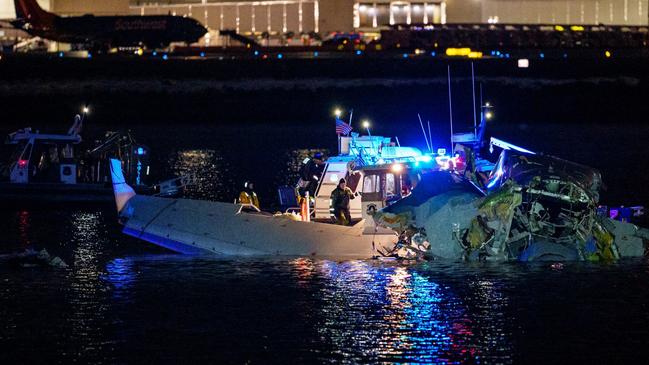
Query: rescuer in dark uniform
point(310, 174)
point(340, 202)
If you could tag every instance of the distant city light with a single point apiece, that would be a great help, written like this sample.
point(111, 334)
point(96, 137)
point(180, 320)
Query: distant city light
point(607, 54)
point(86, 110)
point(523, 63)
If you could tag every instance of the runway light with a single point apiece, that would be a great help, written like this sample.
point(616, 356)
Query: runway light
point(523, 63)
point(338, 112)
point(607, 54)
point(396, 168)
point(458, 51)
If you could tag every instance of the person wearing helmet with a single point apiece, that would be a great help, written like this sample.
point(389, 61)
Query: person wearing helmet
point(340, 202)
point(248, 195)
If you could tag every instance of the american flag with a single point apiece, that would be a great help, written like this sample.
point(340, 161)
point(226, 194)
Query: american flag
point(342, 127)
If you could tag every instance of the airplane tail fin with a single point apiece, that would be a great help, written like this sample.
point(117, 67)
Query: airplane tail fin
point(123, 192)
point(31, 12)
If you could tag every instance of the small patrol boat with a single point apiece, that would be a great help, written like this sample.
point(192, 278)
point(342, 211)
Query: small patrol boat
point(52, 168)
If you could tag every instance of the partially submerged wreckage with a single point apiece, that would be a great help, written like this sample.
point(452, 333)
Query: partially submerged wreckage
point(532, 207)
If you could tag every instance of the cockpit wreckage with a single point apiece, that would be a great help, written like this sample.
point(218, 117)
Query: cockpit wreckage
point(532, 207)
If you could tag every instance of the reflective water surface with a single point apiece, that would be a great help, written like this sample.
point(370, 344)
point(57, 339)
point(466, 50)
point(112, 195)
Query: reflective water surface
point(121, 300)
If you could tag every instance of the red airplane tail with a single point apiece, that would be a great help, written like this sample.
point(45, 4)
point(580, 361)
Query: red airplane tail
point(30, 12)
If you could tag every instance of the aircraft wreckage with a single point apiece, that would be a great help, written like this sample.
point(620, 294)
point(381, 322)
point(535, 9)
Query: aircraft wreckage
point(533, 207)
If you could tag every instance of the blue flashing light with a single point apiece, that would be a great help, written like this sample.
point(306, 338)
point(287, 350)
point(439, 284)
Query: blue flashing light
point(405, 55)
point(433, 54)
point(315, 54)
point(140, 151)
point(202, 54)
point(155, 53)
point(416, 163)
point(280, 56)
point(256, 53)
point(507, 55)
point(165, 56)
point(358, 52)
point(542, 55)
point(60, 54)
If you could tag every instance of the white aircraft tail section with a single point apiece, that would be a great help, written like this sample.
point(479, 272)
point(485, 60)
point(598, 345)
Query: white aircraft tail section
point(123, 192)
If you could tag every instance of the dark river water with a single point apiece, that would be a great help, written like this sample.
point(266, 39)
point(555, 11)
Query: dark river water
point(121, 300)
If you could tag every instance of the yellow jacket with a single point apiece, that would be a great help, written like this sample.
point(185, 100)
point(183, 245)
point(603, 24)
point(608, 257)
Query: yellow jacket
point(249, 198)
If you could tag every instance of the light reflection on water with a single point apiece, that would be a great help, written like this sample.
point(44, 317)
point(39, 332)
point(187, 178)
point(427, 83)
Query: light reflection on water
point(394, 313)
point(216, 179)
point(212, 173)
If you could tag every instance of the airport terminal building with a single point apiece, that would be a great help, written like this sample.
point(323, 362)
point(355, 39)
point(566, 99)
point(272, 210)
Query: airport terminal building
point(326, 16)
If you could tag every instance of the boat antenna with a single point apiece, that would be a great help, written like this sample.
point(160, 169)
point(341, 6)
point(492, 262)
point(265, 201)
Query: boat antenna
point(430, 136)
point(351, 114)
point(450, 103)
point(424, 132)
point(475, 120)
point(397, 138)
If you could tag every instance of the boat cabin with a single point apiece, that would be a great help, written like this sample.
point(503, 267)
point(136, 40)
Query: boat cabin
point(375, 168)
point(43, 157)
